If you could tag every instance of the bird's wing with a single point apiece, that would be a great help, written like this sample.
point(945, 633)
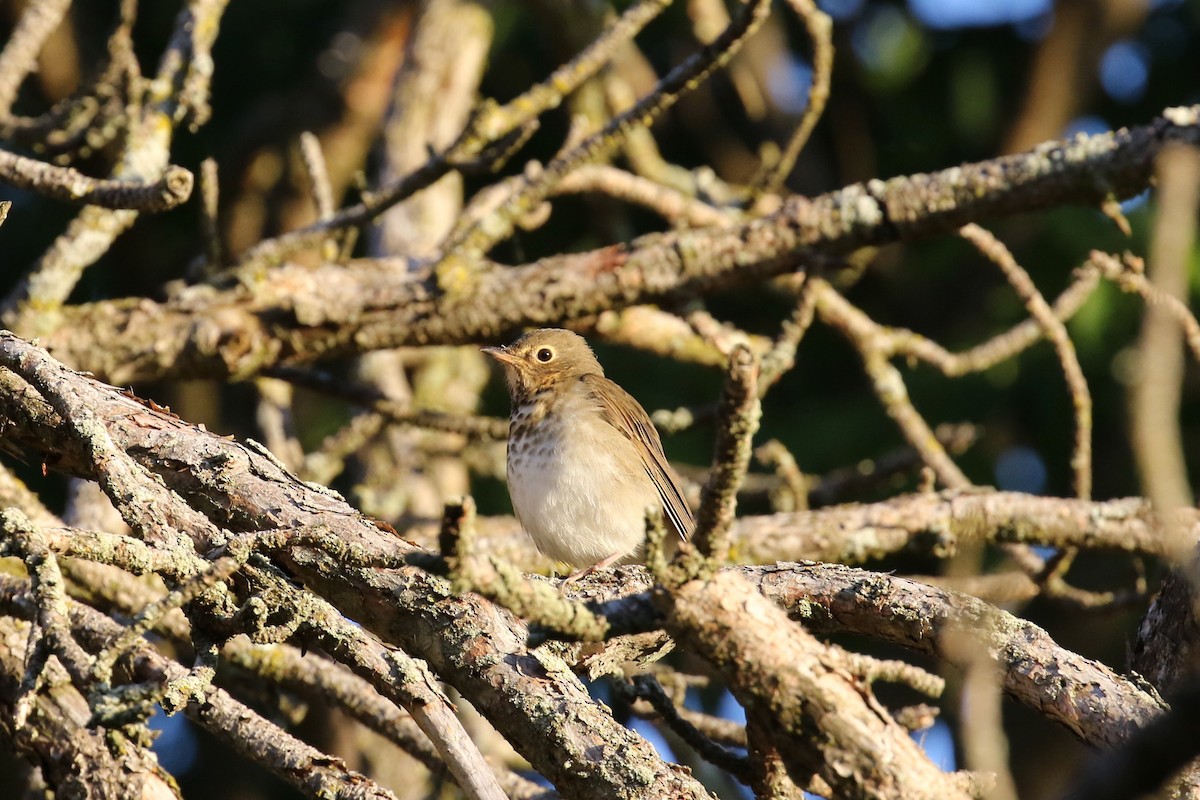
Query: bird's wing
point(626, 415)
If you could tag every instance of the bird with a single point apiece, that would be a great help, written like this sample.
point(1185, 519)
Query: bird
point(585, 462)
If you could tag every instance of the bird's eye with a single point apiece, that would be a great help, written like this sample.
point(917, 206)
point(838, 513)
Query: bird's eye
point(544, 355)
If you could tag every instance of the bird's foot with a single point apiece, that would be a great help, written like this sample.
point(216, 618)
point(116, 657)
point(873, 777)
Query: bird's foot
point(603, 563)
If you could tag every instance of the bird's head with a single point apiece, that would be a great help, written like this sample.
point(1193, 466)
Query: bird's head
point(542, 358)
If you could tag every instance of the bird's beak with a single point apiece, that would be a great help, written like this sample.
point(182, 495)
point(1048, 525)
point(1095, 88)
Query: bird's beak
point(501, 354)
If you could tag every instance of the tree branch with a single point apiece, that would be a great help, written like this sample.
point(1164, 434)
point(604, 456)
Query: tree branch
point(290, 315)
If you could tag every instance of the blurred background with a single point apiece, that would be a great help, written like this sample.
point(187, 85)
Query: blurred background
point(917, 86)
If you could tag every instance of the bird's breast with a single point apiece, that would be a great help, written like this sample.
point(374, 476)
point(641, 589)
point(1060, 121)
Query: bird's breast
point(577, 486)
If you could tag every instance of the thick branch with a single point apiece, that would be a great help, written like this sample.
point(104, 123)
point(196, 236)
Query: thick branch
point(536, 703)
point(823, 722)
point(931, 524)
point(295, 315)
point(1088, 698)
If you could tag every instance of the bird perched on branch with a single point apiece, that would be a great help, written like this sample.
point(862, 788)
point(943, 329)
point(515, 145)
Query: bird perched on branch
point(584, 461)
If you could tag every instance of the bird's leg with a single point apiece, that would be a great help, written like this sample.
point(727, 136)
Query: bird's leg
point(603, 563)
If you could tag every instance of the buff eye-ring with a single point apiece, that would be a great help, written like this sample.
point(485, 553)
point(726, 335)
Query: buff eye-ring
point(544, 355)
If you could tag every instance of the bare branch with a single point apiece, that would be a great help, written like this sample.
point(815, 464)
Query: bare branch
point(378, 308)
point(820, 35)
point(1155, 400)
point(21, 51)
point(295, 762)
point(64, 183)
point(585, 752)
point(739, 416)
point(179, 89)
point(821, 722)
point(1032, 667)
point(491, 125)
point(1056, 332)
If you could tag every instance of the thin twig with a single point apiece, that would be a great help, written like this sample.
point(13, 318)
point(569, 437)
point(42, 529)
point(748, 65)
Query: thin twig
point(985, 745)
point(1056, 332)
point(319, 186)
point(209, 215)
point(739, 416)
point(1002, 346)
point(318, 677)
point(328, 460)
point(532, 190)
point(219, 571)
point(309, 770)
point(671, 204)
point(1129, 273)
point(820, 35)
point(491, 125)
point(404, 680)
point(875, 347)
point(173, 188)
point(399, 413)
point(276, 420)
point(318, 174)
point(51, 632)
point(537, 601)
point(792, 494)
point(646, 687)
point(782, 356)
point(177, 90)
point(892, 670)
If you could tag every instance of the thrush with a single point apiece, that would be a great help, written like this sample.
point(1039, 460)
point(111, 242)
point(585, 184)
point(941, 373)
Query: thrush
point(584, 461)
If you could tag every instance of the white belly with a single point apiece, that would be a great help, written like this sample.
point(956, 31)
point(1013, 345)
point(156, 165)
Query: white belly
point(579, 502)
